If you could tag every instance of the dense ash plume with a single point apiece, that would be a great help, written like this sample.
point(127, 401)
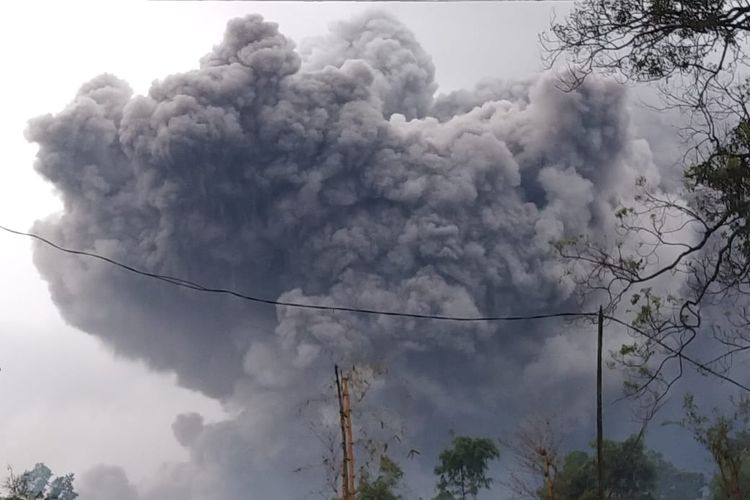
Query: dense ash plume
point(332, 175)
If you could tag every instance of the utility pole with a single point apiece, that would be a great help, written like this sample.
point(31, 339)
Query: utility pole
point(599, 417)
point(347, 442)
point(349, 459)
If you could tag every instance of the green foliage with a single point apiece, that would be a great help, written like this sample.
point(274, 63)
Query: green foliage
point(719, 490)
point(629, 474)
point(673, 483)
point(443, 495)
point(384, 485)
point(462, 469)
point(576, 476)
point(38, 484)
point(648, 40)
point(727, 438)
point(727, 172)
point(704, 46)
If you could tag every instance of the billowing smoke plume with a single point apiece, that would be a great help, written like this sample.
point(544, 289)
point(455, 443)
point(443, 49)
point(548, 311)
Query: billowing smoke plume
point(105, 482)
point(331, 175)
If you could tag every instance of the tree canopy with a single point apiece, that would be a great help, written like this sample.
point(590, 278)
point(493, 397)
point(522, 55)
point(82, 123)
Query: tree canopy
point(462, 469)
point(653, 39)
point(727, 438)
point(384, 485)
point(629, 474)
point(536, 455)
point(673, 483)
point(697, 52)
point(39, 484)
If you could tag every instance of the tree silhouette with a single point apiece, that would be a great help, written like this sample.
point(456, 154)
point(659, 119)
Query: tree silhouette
point(462, 469)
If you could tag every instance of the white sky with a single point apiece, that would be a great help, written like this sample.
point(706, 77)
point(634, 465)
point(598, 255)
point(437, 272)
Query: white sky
point(64, 398)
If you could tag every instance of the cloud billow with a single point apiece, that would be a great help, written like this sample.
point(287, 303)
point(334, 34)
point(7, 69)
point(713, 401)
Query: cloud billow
point(332, 175)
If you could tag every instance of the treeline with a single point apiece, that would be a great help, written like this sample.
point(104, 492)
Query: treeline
point(538, 470)
point(38, 484)
point(632, 473)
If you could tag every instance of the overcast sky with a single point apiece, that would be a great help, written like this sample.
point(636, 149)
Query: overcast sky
point(69, 400)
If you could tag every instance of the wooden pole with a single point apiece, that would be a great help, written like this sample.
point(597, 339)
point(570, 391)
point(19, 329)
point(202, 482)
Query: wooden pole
point(548, 477)
point(342, 418)
point(599, 417)
point(349, 459)
point(347, 441)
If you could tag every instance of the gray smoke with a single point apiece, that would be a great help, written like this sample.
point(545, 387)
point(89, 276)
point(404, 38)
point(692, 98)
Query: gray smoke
point(331, 175)
point(105, 482)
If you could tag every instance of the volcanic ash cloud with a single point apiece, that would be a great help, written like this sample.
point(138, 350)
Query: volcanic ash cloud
point(331, 175)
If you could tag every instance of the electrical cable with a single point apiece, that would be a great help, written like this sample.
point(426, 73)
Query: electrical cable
point(678, 353)
point(202, 288)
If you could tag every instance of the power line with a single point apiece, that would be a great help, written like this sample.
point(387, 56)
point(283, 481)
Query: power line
point(202, 288)
point(192, 285)
point(679, 354)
